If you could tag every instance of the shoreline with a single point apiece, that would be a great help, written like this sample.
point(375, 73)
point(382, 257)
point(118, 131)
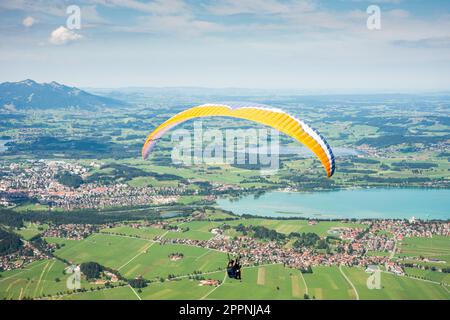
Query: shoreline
point(309, 205)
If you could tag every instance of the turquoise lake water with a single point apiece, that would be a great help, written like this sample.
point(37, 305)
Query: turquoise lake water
point(2, 145)
point(171, 214)
point(366, 203)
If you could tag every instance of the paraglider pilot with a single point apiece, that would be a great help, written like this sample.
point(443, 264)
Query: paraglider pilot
point(234, 268)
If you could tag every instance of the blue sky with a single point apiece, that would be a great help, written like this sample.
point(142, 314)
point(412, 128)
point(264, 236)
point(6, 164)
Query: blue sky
point(315, 45)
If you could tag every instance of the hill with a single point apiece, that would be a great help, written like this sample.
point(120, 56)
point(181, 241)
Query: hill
point(30, 94)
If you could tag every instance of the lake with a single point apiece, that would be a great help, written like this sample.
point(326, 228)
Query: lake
point(3, 148)
point(171, 214)
point(345, 204)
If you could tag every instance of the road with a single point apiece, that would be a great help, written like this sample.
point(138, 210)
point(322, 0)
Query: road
point(351, 283)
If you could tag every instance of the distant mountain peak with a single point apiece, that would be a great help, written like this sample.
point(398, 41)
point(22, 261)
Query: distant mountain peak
point(28, 82)
point(30, 94)
point(55, 84)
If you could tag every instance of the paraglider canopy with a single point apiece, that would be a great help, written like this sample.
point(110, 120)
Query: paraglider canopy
point(275, 118)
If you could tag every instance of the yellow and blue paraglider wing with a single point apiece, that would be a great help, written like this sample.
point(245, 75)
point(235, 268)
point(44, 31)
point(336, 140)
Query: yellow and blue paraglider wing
point(275, 118)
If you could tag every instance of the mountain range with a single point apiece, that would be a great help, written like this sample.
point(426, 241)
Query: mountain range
point(31, 94)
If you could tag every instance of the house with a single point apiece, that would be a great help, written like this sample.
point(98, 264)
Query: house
point(210, 282)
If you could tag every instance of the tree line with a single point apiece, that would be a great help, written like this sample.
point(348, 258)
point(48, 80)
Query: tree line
point(9, 242)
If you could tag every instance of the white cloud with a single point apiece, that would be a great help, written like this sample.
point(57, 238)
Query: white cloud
point(54, 7)
point(91, 18)
point(398, 13)
point(63, 35)
point(155, 7)
point(175, 25)
point(268, 43)
point(28, 21)
point(442, 42)
point(379, 1)
point(230, 7)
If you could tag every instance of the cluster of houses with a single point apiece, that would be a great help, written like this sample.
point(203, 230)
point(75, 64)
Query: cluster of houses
point(255, 252)
point(358, 242)
point(411, 228)
point(90, 196)
point(26, 255)
point(71, 231)
point(37, 179)
point(380, 236)
point(345, 233)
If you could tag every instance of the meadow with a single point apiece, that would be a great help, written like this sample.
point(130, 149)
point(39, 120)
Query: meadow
point(327, 283)
point(431, 275)
point(38, 279)
point(173, 290)
point(201, 230)
point(435, 249)
point(155, 262)
point(396, 287)
point(31, 229)
point(288, 226)
point(108, 250)
point(262, 282)
point(142, 257)
point(277, 282)
point(134, 257)
point(145, 232)
point(198, 230)
point(117, 293)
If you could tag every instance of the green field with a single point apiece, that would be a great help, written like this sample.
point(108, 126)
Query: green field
point(288, 226)
point(35, 281)
point(135, 256)
point(379, 253)
point(108, 250)
point(226, 173)
point(186, 200)
point(328, 283)
point(133, 253)
point(118, 293)
point(31, 229)
point(156, 263)
point(151, 182)
point(396, 287)
point(179, 289)
point(259, 282)
point(145, 232)
point(431, 248)
point(216, 213)
point(198, 230)
point(277, 282)
point(440, 277)
point(263, 282)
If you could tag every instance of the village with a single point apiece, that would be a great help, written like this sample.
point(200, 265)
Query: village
point(37, 181)
point(351, 251)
